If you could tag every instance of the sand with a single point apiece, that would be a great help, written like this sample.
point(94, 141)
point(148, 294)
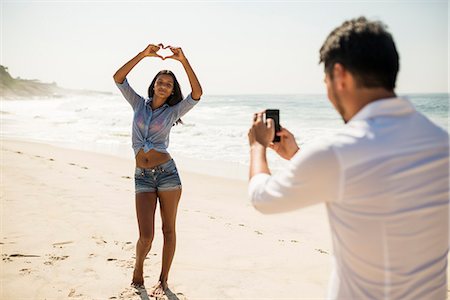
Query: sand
point(68, 231)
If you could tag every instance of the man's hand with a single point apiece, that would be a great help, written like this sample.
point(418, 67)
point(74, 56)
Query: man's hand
point(261, 133)
point(287, 147)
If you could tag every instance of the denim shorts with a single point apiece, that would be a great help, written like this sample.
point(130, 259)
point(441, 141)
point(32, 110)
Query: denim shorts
point(163, 177)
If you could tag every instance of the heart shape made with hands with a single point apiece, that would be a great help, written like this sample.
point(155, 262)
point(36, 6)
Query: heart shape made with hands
point(164, 51)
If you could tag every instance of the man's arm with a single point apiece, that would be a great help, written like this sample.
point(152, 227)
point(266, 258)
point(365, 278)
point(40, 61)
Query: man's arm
point(312, 176)
point(258, 161)
point(260, 136)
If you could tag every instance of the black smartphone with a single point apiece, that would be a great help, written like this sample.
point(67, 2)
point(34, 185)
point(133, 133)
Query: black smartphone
point(275, 115)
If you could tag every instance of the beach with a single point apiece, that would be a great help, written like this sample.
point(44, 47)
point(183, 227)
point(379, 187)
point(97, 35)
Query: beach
point(68, 221)
point(69, 232)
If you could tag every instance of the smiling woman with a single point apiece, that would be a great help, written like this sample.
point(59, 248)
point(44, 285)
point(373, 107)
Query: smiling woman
point(156, 175)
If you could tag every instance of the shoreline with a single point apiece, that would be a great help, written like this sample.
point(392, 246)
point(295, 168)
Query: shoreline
point(69, 231)
point(221, 169)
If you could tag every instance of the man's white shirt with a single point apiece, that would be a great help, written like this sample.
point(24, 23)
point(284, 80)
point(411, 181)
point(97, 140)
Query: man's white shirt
point(385, 182)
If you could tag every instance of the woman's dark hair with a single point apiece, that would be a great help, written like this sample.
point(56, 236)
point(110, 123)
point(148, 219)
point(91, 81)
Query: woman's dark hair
point(176, 96)
point(366, 49)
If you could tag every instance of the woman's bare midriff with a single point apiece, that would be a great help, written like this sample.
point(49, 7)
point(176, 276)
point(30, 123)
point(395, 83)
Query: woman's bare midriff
point(151, 159)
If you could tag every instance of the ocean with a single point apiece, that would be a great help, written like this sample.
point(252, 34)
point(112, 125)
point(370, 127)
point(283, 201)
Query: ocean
point(214, 130)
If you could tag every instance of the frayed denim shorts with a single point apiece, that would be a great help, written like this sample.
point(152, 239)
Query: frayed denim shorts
point(163, 177)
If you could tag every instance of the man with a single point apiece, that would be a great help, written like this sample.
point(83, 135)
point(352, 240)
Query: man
point(384, 178)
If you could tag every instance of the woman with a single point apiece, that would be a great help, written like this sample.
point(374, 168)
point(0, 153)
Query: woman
point(156, 175)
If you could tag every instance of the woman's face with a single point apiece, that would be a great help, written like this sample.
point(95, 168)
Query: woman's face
point(163, 86)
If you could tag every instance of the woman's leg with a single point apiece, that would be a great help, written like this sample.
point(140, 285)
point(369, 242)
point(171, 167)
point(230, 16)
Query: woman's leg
point(168, 204)
point(145, 211)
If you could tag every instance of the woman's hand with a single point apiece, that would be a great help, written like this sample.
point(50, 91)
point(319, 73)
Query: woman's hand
point(151, 51)
point(193, 80)
point(287, 147)
point(177, 54)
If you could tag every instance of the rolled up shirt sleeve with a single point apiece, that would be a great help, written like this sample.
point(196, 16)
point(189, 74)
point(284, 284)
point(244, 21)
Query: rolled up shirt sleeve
point(129, 94)
point(181, 108)
point(313, 176)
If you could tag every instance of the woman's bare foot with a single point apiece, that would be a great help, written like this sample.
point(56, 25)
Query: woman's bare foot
point(159, 289)
point(138, 278)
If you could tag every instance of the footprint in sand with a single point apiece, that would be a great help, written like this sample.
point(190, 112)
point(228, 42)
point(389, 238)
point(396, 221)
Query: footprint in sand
point(73, 293)
point(99, 240)
point(294, 241)
point(74, 164)
point(321, 251)
point(128, 246)
point(5, 258)
point(122, 263)
point(133, 293)
point(139, 293)
point(25, 271)
point(52, 258)
point(91, 273)
point(258, 232)
point(126, 177)
point(61, 244)
point(24, 255)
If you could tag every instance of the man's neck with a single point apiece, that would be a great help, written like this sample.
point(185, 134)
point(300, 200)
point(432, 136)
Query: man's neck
point(364, 96)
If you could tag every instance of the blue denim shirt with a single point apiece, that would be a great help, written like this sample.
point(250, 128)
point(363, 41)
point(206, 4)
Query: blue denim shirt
point(151, 128)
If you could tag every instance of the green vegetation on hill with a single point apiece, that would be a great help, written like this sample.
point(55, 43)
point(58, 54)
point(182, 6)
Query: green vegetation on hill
point(22, 88)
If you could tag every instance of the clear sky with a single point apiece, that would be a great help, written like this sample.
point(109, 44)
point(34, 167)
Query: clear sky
point(235, 47)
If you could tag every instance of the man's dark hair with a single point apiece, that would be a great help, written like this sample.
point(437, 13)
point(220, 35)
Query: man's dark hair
point(364, 48)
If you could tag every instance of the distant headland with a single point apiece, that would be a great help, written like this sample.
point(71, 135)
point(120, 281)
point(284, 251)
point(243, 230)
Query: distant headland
point(17, 88)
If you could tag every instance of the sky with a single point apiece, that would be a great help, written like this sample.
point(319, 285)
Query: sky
point(234, 47)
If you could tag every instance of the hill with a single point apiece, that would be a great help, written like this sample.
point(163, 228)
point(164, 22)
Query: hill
point(14, 88)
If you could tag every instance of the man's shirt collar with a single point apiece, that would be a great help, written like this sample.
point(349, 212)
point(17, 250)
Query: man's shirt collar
point(385, 107)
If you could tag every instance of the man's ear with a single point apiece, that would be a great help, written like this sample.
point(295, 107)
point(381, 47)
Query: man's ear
point(340, 76)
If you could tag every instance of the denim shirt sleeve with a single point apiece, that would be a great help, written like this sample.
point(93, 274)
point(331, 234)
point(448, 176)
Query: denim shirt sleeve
point(181, 108)
point(130, 95)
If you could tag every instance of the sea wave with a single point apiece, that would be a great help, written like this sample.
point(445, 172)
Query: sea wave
point(215, 129)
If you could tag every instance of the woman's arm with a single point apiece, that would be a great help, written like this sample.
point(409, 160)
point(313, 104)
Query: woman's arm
point(122, 73)
point(193, 80)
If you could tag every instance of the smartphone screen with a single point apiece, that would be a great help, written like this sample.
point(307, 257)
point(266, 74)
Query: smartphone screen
point(275, 115)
